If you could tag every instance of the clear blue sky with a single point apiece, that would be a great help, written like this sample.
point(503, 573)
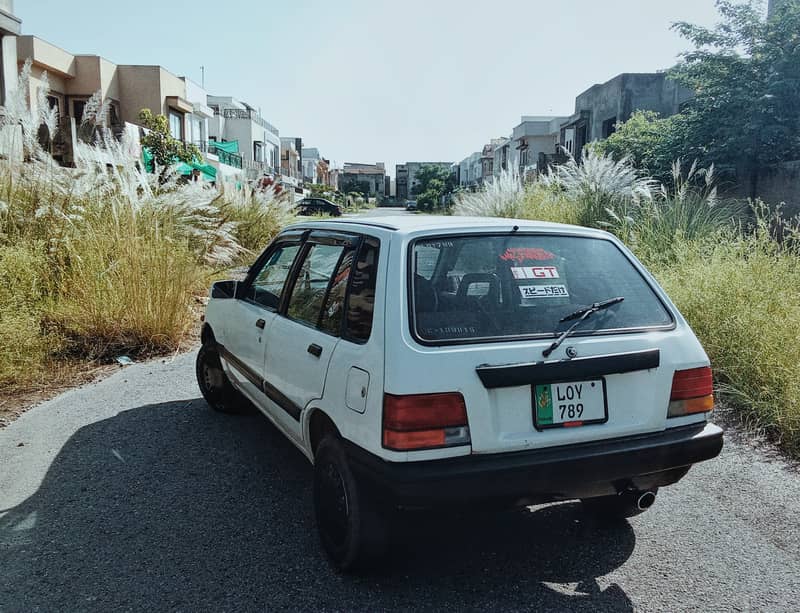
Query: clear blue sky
point(382, 81)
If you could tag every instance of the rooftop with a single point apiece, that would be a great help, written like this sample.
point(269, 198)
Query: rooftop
point(408, 224)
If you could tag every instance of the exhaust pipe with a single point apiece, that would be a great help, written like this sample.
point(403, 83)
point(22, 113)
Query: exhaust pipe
point(645, 501)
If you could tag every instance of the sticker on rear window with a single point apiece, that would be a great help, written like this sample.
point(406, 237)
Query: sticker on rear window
point(544, 291)
point(534, 272)
point(521, 254)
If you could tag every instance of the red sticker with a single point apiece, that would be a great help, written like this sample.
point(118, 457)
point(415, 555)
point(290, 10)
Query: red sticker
point(522, 254)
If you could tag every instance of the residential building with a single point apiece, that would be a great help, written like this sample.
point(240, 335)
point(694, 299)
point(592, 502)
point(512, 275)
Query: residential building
point(503, 159)
point(602, 106)
point(259, 141)
point(536, 138)
point(406, 177)
point(470, 171)
point(401, 181)
point(367, 178)
point(292, 158)
point(128, 89)
point(311, 160)
point(10, 26)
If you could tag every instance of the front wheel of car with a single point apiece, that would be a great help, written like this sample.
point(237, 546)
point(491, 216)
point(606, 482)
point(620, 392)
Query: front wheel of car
point(351, 527)
point(620, 506)
point(214, 384)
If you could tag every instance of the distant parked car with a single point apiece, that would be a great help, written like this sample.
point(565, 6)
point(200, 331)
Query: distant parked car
point(318, 206)
point(411, 205)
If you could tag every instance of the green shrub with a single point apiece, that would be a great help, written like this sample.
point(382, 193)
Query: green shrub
point(740, 295)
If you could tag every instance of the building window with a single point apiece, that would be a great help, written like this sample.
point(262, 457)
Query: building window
point(176, 125)
point(609, 127)
point(77, 110)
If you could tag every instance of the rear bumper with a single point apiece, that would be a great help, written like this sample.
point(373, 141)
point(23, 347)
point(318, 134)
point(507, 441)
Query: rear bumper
point(543, 475)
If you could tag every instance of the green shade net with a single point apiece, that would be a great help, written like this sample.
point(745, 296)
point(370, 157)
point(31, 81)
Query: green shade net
point(147, 160)
point(208, 172)
point(231, 146)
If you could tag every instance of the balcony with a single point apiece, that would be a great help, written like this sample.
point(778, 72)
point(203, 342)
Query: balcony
point(231, 159)
point(246, 114)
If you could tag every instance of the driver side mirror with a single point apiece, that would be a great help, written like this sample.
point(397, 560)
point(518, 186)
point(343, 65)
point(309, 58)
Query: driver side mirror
point(224, 289)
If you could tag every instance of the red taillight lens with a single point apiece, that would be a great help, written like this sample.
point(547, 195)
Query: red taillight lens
point(692, 392)
point(424, 421)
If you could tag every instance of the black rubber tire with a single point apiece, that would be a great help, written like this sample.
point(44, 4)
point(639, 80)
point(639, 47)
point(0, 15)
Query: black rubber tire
point(616, 507)
point(214, 384)
point(351, 527)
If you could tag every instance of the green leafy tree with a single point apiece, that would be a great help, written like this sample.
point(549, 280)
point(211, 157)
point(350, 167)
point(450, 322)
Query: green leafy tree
point(650, 142)
point(433, 183)
point(165, 148)
point(746, 75)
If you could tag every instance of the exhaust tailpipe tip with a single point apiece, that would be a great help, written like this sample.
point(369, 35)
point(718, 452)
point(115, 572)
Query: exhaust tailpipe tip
point(645, 501)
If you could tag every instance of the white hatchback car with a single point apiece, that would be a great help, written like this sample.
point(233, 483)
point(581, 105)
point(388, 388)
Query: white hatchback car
point(430, 361)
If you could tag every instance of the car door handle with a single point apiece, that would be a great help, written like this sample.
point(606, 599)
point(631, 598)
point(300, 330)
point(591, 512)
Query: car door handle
point(261, 323)
point(315, 349)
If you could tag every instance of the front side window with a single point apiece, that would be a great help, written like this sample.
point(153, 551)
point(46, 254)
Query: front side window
point(311, 284)
point(481, 287)
point(267, 286)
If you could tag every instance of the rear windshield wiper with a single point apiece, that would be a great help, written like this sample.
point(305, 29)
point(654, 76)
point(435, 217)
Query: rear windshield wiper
point(581, 315)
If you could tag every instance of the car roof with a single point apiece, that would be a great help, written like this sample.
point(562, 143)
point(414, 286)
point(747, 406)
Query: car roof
point(413, 224)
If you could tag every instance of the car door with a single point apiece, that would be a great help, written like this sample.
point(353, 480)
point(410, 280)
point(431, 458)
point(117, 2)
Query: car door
point(246, 329)
point(303, 337)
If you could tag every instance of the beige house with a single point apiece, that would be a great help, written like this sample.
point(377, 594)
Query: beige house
point(75, 78)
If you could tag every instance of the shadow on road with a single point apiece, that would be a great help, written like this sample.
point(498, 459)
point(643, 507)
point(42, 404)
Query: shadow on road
point(174, 506)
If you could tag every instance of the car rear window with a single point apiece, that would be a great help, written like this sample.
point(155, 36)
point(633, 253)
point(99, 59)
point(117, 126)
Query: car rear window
point(484, 287)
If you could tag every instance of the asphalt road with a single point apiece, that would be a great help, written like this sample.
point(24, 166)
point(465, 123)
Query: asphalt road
point(131, 494)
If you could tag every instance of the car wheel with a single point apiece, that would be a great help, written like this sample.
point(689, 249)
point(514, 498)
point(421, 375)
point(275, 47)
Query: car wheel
point(351, 528)
point(214, 384)
point(620, 506)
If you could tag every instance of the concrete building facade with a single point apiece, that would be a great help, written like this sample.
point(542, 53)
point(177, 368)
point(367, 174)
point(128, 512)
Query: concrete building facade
point(602, 106)
point(10, 27)
point(406, 181)
point(259, 141)
point(369, 178)
point(311, 159)
point(535, 138)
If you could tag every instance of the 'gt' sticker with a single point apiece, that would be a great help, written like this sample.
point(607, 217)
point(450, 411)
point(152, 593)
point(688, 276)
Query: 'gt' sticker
point(544, 291)
point(534, 272)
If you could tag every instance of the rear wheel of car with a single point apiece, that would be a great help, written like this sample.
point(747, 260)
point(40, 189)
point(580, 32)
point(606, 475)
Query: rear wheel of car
point(620, 506)
point(214, 384)
point(351, 527)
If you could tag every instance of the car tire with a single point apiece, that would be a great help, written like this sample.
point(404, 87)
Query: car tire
point(620, 506)
point(214, 383)
point(351, 527)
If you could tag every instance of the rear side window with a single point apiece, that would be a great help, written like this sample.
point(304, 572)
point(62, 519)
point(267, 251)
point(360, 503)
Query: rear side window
point(483, 287)
point(333, 309)
point(361, 300)
point(311, 284)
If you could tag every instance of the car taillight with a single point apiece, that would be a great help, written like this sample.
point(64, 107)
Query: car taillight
point(424, 421)
point(692, 392)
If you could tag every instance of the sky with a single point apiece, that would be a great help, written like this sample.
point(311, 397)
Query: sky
point(367, 81)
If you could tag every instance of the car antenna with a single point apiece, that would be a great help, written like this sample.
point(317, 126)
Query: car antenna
point(515, 228)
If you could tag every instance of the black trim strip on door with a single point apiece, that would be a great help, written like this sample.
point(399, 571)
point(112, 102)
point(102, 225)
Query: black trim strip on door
point(511, 375)
point(264, 386)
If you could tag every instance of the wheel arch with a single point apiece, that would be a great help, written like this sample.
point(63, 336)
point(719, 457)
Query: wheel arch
point(318, 424)
point(207, 334)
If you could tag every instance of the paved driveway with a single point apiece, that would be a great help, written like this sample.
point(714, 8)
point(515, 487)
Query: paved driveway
point(131, 494)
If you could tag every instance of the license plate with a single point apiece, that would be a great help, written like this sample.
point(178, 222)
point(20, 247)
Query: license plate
point(569, 404)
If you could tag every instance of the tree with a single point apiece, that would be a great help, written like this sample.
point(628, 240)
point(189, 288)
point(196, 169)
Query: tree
point(433, 183)
point(650, 142)
point(165, 148)
point(746, 75)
